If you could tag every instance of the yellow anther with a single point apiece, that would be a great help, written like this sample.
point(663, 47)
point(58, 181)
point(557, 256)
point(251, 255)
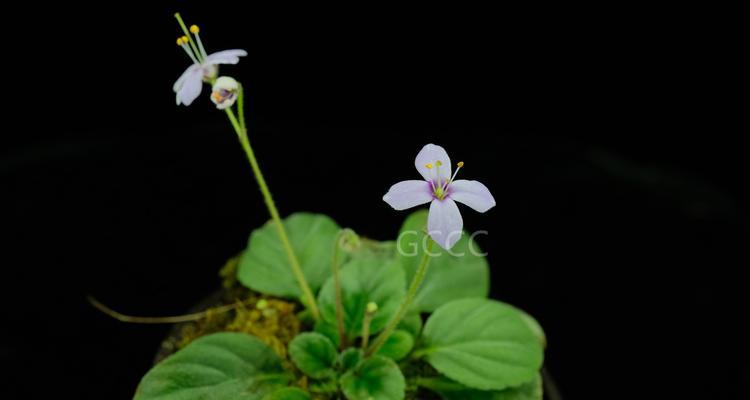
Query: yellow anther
point(439, 163)
point(429, 166)
point(460, 164)
point(179, 41)
point(262, 304)
point(185, 40)
point(194, 29)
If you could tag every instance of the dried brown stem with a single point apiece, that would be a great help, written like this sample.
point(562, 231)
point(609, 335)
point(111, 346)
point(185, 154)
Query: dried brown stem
point(160, 320)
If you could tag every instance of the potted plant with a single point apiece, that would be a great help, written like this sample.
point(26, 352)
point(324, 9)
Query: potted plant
point(311, 310)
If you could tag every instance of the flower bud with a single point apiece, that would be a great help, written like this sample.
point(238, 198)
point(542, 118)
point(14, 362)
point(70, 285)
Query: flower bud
point(224, 92)
point(349, 240)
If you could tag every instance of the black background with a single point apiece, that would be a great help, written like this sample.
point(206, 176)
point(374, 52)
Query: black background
point(621, 187)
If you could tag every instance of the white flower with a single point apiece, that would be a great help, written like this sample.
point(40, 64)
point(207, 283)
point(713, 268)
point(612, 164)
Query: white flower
point(224, 92)
point(204, 68)
point(441, 190)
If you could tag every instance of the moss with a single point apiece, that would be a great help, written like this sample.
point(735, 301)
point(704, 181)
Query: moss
point(272, 320)
point(228, 273)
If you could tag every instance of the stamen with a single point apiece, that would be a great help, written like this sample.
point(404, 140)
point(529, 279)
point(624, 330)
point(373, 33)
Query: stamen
point(183, 43)
point(459, 165)
point(432, 181)
point(187, 33)
point(438, 163)
point(195, 30)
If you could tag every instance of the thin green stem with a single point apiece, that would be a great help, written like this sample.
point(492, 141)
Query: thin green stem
point(241, 108)
point(337, 288)
point(366, 329)
point(307, 293)
point(236, 126)
point(410, 294)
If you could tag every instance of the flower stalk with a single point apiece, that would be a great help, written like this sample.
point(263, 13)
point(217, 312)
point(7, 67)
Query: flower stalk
point(370, 311)
point(416, 283)
point(337, 288)
point(241, 129)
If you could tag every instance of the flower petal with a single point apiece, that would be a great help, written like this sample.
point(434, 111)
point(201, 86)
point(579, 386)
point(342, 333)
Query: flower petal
point(189, 73)
point(431, 154)
point(190, 89)
point(225, 57)
point(408, 194)
point(444, 223)
point(472, 193)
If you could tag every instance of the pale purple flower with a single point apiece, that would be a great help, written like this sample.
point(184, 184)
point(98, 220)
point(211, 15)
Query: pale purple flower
point(442, 191)
point(204, 68)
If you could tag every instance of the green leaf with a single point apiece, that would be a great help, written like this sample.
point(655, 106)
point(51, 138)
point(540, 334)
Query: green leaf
point(313, 354)
point(376, 378)
point(398, 345)
point(535, 327)
point(221, 366)
point(264, 265)
point(411, 323)
point(450, 390)
point(328, 330)
point(363, 281)
point(483, 344)
point(351, 357)
point(288, 394)
point(460, 273)
point(325, 387)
